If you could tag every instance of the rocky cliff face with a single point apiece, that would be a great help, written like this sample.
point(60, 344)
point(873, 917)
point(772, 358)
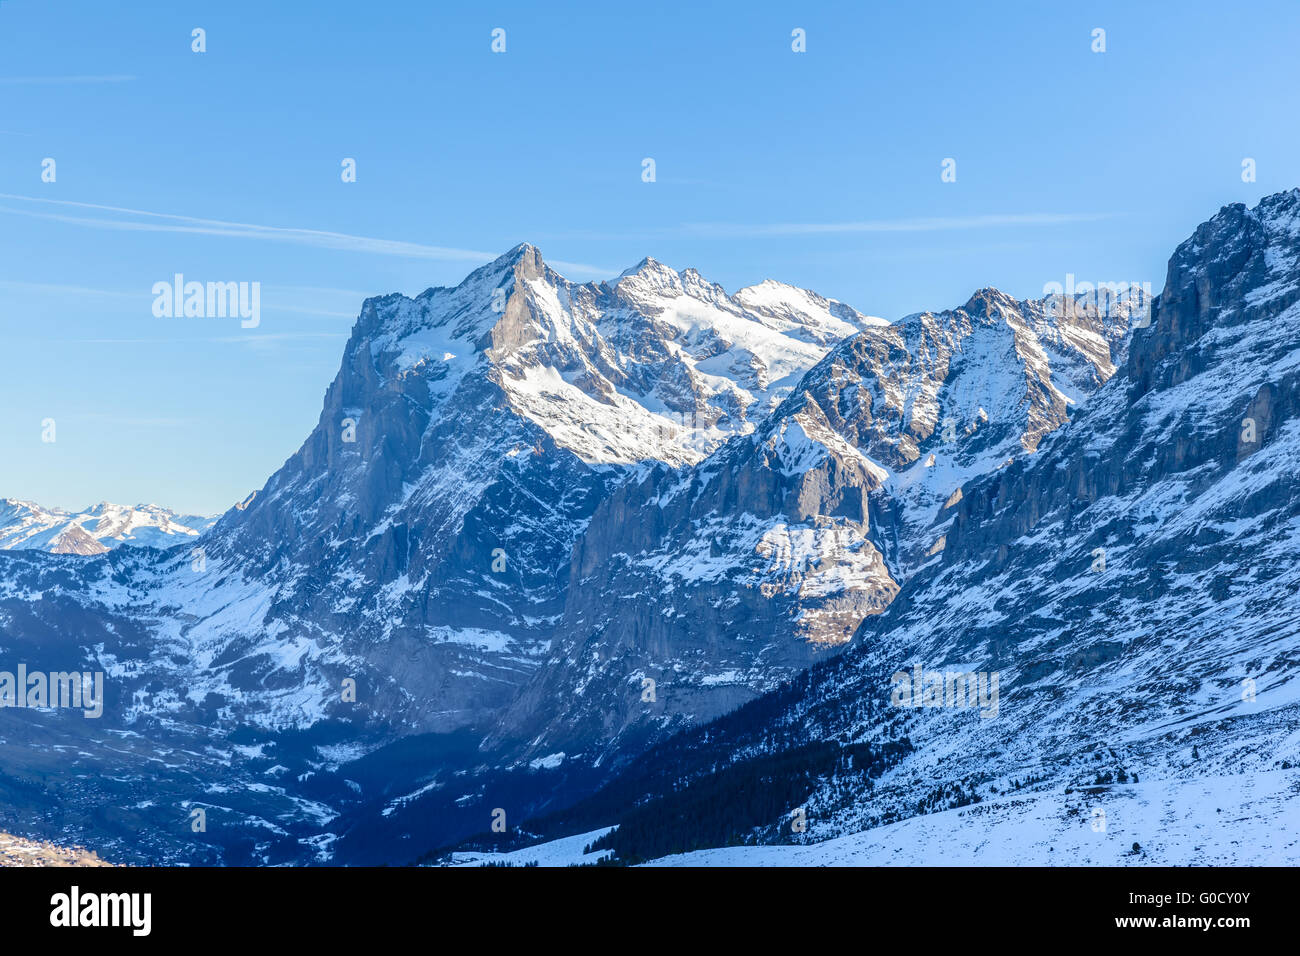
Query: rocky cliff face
point(462, 450)
point(418, 544)
point(720, 581)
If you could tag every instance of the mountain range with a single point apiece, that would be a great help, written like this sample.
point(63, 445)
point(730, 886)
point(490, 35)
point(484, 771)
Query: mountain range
point(619, 554)
point(26, 525)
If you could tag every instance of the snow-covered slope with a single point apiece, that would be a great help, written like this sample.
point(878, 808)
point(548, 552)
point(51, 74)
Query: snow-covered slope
point(26, 525)
point(1134, 583)
point(568, 851)
point(1230, 820)
point(1226, 820)
point(657, 365)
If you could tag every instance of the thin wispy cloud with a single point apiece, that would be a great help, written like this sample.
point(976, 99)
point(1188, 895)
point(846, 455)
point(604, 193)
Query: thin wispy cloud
point(244, 339)
point(275, 337)
point(349, 294)
point(63, 80)
point(135, 422)
point(735, 230)
point(304, 310)
point(716, 230)
point(147, 221)
point(272, 305)
point(140, 220)
point(49, 287)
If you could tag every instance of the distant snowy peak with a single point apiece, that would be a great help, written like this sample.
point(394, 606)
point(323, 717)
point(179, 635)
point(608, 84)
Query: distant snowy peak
point(822, 320)
point(25, 525)
point(973, 385)
point(657, 365)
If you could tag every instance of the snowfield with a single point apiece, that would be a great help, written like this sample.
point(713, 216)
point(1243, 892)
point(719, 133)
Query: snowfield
point(1249, 819)
point(565, 852)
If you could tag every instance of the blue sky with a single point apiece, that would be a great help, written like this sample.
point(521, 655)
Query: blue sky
point(821, 169)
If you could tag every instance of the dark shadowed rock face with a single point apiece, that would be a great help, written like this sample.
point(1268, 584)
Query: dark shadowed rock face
point(1221, 324)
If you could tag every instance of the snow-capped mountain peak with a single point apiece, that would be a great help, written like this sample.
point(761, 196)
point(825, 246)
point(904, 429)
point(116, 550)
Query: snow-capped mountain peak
point(25, 525)
point(658, 365)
